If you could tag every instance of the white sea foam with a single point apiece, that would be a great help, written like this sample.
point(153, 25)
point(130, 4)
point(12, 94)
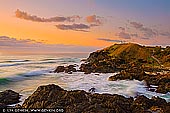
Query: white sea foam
point(128, 88)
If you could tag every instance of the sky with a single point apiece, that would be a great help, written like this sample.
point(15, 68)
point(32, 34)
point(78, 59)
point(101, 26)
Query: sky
point(81, 25)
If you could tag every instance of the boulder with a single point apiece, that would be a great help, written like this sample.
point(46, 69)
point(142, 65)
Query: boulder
point(9, 97)
point(59, 69)
point(2, 105)
point(68, 69)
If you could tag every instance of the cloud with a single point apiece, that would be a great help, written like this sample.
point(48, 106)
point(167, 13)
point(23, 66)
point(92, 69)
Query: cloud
point(109, 40)
point(134, 35)
point(167, 34)
point(124, 35)
point(122, 28)
point(93, 25)
point(94, 19)
point(147, 32)
point(144, 38)
point(9, 45)
point(6, 41)
point(26, 16)
point(75, 27)
point(136, 25)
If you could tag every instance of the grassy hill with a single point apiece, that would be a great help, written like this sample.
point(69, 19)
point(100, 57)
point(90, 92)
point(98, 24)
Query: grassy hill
point(128, 51)
point(131, 52)
point(126, 56)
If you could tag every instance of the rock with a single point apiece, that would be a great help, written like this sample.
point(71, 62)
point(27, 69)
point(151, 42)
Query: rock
point(141, 102)
point(86, 68)
point(159, 105)
point(79, 101)
point(87, 72)
point(157, 101)
point(69, 72)
point(137, 73)
point(92, 90)
point(9, 97)
point(18, 106)
point(2, 105)
point(83, 60)
point(52, 96)
point(68, 69)
point(59, 69)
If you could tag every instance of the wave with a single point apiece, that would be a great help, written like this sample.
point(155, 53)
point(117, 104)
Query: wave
point(4, 81)
point(6, 65)
point(24, 63)
point(128, 88)
point(23, 76)
point(49, 59)
point(74, 60)
point(17, 62)
point(10, 61)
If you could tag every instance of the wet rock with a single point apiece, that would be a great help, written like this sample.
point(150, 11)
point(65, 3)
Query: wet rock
point(68, 69)
point(9, 97)
point(17, 106)
point(2, 105)
point(155, 104)
point(159, 105)
point(52, 96)
point(86, 68)
point(92, 90)
point(142, 103)
point(157, 101)
point(137, 73)
point(79, 101)
point(59, 69)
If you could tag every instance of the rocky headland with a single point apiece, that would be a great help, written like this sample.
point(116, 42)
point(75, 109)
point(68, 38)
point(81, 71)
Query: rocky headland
point(132, 61)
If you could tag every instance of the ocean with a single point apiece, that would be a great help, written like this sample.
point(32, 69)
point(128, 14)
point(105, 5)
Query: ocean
point(24, 74)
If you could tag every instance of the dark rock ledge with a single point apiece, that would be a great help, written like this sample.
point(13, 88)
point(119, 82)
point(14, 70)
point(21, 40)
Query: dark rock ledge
point(8, 97)
point(79, 101)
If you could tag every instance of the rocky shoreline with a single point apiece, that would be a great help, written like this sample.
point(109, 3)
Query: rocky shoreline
point(53, 96)
point(130, 61)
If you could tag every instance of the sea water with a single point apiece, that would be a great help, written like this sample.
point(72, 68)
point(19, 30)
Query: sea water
point(24, 74)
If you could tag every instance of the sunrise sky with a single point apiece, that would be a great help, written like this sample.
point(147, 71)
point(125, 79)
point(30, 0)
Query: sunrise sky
point(81, 25)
